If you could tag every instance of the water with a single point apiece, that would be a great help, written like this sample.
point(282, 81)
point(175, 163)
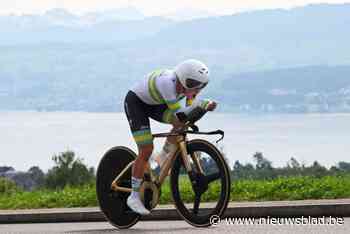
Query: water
point(32, 138)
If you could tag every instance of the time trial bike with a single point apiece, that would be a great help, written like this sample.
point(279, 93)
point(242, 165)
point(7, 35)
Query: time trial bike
point(199, 179)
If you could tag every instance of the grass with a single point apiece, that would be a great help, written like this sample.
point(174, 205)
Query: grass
point(83, 196)
point(288, 188)
point(292, 188)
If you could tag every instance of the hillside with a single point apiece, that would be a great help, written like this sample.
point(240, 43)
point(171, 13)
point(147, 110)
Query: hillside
point(58, 64)
point(303, 89)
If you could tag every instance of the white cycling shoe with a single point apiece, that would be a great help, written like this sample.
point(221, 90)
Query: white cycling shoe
point(136, 205)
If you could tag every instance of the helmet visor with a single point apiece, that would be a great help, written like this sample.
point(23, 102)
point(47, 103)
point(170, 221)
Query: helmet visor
point(194, 84)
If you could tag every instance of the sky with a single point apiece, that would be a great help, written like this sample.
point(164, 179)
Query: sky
point(150, 7)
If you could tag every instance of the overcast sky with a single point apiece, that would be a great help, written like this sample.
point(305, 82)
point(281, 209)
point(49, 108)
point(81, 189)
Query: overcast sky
point(150, 7)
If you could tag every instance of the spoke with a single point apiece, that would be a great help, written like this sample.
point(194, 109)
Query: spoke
point(212, 177)
point(197, 200)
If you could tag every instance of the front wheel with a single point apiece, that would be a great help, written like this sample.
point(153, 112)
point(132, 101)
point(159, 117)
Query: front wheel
point(202, 193)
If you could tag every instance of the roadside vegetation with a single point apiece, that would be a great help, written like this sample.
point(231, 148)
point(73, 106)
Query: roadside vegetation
point(71, 184)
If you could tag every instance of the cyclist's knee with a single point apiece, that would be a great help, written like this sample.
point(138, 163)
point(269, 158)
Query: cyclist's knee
point(145, 151)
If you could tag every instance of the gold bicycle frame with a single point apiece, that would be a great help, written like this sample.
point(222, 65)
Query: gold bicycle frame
point(165, 169)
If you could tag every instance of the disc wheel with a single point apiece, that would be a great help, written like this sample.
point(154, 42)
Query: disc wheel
point(112, 203)
point(201, 194)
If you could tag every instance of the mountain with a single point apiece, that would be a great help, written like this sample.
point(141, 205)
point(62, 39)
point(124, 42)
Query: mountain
point(264, 39)
point(302, 89)
point(52, 66)
point(55, 28)
point(60, 26)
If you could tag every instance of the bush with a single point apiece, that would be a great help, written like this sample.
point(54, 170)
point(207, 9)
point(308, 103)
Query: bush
point(7, 186)
point(68, 171)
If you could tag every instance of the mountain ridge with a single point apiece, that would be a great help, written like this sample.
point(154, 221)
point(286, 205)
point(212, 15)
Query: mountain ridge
point(57, 68)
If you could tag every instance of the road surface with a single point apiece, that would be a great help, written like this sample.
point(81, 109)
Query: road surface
point(178, 227)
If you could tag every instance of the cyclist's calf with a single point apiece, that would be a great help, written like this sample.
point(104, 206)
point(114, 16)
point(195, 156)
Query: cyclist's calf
point(145, 152)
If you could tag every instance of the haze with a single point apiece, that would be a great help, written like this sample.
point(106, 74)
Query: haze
point(151, 7)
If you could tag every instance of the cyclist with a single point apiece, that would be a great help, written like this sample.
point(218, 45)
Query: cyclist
point(158, 97)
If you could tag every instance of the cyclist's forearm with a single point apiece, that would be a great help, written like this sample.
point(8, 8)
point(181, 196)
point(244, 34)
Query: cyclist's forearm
point(182, 114)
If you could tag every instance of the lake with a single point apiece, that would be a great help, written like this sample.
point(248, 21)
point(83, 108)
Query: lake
point(32, 138)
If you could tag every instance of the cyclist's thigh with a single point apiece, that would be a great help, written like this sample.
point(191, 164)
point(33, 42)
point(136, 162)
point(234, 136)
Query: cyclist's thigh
point(136, 114)
point(160, 113)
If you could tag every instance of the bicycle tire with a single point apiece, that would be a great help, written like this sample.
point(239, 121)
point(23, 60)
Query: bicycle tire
point(113, 204)
point(188, 214)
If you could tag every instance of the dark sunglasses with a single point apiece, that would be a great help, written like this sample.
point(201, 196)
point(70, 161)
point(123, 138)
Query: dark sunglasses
point(194, 84)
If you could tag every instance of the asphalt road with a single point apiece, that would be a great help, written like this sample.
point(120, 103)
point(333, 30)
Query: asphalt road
point(179, 227)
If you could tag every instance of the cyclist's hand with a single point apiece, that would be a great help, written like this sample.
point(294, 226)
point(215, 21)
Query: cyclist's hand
point(208, 105)
point(211, 106)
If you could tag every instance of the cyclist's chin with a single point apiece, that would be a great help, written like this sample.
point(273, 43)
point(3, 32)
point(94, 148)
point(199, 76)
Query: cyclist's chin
point(191, 93)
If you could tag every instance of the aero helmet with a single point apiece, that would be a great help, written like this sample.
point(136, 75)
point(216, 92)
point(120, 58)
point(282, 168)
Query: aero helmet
point(192, 74)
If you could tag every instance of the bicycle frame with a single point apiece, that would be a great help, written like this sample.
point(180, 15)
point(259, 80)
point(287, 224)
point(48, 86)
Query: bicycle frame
point(168, 163)
point(164, 170)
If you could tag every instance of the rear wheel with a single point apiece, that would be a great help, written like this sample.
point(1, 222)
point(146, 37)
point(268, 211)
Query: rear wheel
point(197, 195)
point(112, 203)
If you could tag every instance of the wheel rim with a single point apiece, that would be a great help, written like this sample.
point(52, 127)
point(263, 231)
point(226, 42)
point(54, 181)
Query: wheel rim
point(196, 203)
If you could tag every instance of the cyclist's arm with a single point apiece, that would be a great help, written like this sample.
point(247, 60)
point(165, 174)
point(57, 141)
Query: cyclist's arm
point(180, 115)
point(176, 110)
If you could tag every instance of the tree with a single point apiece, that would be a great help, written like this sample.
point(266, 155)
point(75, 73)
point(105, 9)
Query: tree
point(344, 166)
point(8, 186)
point(238, 170)
point(6, 169)
point(37, 176)
point(241, 171)
point(293, 168)
point(68, 171)
point(318, 170)
point(264, 169)
point(208, 165)
point(261, 162)
point(293, 163)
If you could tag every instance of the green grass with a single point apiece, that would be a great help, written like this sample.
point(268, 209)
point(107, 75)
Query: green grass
point(289, 188)
point(292, 188)
point(68, 197)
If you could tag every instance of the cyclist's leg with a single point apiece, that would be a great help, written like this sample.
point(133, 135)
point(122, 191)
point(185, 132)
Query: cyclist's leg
point(136, 113)
point(161, 113)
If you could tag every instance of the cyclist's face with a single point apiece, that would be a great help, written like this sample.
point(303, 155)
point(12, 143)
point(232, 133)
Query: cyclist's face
point(189, 93)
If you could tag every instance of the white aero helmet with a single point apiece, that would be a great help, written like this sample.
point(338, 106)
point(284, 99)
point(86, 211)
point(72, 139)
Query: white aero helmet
point(192, 74)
